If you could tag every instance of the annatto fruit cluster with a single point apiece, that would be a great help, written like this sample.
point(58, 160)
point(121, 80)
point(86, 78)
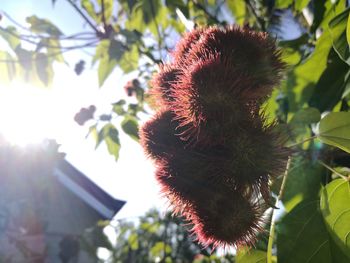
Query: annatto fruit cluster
point(214, 152)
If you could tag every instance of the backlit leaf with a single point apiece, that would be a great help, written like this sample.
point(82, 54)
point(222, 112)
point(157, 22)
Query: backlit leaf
point(335, 130)
point(40, 25)
point(335, 207)
point(130, 127)
point(251, 256)
point(238, 9)
point(302, 236)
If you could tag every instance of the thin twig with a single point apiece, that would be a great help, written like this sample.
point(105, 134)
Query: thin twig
point(103, 14)
point(44, 45)
point(334, 171)
point(273, 219)
point(303, 141)
point(87, 20)
point(259, 20)
point(90, 44)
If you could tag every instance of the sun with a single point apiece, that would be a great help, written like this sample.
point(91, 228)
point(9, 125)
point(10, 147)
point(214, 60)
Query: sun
point(28, 115)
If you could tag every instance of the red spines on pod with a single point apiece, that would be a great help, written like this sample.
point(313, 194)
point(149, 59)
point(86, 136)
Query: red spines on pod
point(214, 152)
point(163, 85)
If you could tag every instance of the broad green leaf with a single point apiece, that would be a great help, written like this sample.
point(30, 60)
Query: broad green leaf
point(251, 256)
point(8, 68)
point(111, 137)
point(238, 9)
point(303, 182)
point(133, 241)
point(109, 52)
point(108, 6)
point(299, 5)
point(130, 127)
point(348, 30)
point(283, 3)
point(306, 116)
point(89, 7)
point(39, 25)
point(335, 207)
point(43, 66)
point(291, 56)
point(118, 107)
point(332, 9)
point(335, 130)
point(159, 248)
point(129, 60)
point(8, 34)
point(305, 76)
point(302, 236)
point(337, 27)
point(53, 48)
point(328, 90)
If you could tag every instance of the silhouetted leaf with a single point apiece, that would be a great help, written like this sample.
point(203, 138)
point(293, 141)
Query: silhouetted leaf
point(337, 27)
point(118, 107)
point(335, 130)
point(299, 5)
point(39, 25)
point(111, 137)
point(8, 34)
point(238, 9)
point(44, 68)
point(251, 256)
point(302, 236)
point(130, 127)
point(304, 182)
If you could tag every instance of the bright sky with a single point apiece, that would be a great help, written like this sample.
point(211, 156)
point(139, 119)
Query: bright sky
point(28, 114)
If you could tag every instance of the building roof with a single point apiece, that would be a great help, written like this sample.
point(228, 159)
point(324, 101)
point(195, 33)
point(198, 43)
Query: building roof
point(87, 190)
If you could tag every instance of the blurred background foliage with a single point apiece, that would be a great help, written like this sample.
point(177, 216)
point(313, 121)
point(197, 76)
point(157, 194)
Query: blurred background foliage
point(311, 106)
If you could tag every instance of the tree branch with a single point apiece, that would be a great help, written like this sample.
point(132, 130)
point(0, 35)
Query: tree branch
point(201, 7)
point(87, 20)
point(259, 20)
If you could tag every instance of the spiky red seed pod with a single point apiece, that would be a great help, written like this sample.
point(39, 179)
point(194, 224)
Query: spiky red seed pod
point(163, 84)
point(253, 53)
point(184, 46)
point(158, 136)
point(242, 164)
point(226, 219)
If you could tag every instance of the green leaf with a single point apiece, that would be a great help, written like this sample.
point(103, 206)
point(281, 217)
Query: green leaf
point(118, 107)
point(305, 76)
point(348, 30)
point(335, 130)
point(7, 69)
point(299, 5)
point(89, 7)
point(335, 207)
point(251, 256)
point(283, 3)
point(9, 34)
point(159, 248)
point(238, 9)
point(303, 182)
point(44, 68)
point(133, 241)
point(302, 236)
point(109, 52)
point(130, 60)
point(337, 27)
point(39, 25)
point(291, 56)
point(108, 6)
point(328, 90)
point(306, 116)
point(111, 137)
point(130, 127)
